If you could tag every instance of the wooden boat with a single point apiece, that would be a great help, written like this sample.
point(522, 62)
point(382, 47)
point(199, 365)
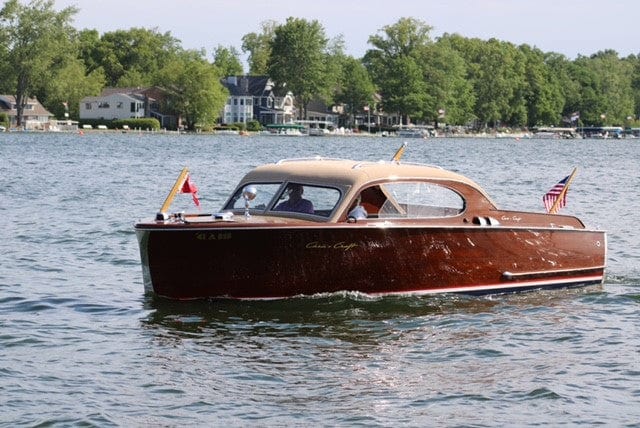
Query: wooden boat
point(380, 228)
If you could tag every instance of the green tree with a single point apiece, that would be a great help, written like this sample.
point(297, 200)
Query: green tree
point(590, 104)
point(334, 60)
point(615, 89)
point(228, 61)
point(543, 94)
point(90, 49)
point(450, 94)
point(37, 41)
point(259, 47)
point(355, 89)
point(4, 119)
point(69, 84)
point(405, 90)
point(395, 69)
point(562, 71)
point(129, 57)
point(496, 71)
point(195, 89)
point(606, 88)
point(634, 63)
point(298, 60)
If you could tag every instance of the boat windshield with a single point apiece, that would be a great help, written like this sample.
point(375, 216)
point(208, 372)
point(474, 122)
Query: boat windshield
point(265, 192)
point(420, 200)
point(290, 197)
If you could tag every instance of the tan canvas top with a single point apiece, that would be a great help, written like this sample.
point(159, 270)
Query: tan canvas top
point(353, 176)
point(350, 172)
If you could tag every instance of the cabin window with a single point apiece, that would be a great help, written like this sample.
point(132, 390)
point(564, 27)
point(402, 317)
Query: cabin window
point(317, 200)
point(420, 200)
point(323, 200)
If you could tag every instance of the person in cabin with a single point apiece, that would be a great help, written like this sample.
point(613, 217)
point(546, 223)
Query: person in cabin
point(357, 211)
point(295, 202)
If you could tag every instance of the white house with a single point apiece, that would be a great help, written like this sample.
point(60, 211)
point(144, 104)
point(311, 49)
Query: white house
point(131, 103)
point(113, 106)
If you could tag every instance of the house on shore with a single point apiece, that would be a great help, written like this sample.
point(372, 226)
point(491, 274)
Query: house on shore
point(254, 98)
point(129, 103)
point(34, 117)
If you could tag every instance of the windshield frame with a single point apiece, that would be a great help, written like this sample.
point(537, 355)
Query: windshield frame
point(236, 202)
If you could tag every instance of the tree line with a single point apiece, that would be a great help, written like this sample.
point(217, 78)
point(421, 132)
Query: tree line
point(452, 79)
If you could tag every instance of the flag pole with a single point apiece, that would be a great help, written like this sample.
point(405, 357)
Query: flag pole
point(399, 152)
point(554, 208)
point(174, 190)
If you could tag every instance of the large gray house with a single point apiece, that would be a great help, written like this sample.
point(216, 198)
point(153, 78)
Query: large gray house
point(253, 98)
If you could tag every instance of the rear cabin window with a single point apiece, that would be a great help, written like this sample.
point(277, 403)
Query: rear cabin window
point(420, 200)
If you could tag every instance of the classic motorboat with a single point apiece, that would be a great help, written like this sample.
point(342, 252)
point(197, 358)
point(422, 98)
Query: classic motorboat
point(319, 225)
point(413, 131)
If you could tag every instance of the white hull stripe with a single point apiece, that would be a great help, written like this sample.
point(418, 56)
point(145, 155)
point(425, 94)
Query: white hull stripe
point(482, 289)
point(591, 279)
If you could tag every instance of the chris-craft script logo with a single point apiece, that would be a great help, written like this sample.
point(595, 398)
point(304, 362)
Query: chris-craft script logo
point(344, 246)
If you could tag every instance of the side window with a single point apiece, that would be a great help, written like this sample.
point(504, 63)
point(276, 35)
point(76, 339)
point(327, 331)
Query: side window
point(264, 194)
point(420, 200)
point(324, 199)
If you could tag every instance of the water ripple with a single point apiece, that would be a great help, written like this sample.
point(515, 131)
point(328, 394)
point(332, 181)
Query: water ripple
point(82, 345)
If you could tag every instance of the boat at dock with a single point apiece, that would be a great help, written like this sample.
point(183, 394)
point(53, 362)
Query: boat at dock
point(414, 131)
point(285, 129)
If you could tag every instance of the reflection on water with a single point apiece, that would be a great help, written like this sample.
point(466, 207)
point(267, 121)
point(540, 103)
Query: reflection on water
point(345, 315)
point(81, 345)
point(432, 353)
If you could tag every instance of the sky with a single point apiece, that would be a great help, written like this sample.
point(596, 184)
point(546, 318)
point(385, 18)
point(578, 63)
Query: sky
point(569, 27)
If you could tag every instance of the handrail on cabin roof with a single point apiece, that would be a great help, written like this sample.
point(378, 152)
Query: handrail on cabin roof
point(384, 162)
point(357, 165)
point(309, 159)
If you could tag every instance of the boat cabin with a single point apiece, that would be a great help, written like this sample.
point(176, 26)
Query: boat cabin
point(333, 187)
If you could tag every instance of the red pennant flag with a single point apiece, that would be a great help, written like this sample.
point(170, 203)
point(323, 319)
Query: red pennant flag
point(189, 187)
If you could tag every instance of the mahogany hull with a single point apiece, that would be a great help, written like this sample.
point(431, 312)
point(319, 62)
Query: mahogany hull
point(191, 261)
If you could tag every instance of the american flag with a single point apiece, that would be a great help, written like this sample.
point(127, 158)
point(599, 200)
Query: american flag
point(552, 195)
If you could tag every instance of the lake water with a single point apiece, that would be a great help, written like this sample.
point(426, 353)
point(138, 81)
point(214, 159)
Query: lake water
point(82, 345)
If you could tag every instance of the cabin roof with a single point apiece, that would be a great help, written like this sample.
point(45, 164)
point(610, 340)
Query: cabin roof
point(351, 172)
